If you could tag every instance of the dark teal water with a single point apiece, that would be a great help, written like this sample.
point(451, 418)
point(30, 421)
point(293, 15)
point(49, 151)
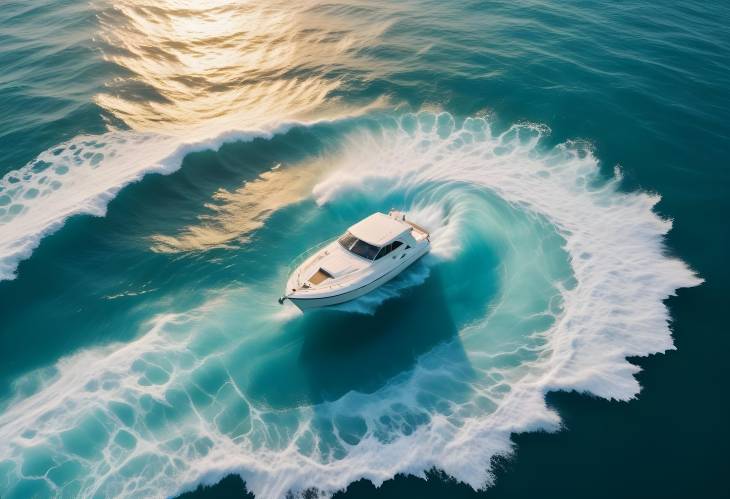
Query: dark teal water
point(162, 163)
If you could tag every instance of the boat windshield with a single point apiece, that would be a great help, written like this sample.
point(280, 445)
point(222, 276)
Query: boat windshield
point(358, 246)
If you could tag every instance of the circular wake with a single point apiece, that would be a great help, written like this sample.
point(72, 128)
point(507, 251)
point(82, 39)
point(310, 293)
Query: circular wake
point(543, 276)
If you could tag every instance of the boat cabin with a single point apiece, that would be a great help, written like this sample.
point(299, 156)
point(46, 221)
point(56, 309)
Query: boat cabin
point(377, 235)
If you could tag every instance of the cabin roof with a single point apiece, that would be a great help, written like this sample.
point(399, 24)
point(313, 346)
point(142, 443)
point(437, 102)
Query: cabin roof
point(379, 229)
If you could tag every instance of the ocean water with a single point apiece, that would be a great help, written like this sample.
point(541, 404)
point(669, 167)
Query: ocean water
point(162, 163)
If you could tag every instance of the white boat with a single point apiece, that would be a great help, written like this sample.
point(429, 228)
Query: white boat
point(369, 254)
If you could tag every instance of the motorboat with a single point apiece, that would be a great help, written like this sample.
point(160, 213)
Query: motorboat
point(366, 256)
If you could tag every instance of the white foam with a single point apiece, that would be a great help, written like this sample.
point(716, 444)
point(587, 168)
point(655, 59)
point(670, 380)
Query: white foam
point(622, 275)
point(287, 312)
point(614, 238)
point(82, 175)
point(369, 303)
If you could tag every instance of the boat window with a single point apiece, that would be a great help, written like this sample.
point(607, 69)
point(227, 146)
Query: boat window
point(347, 240)
point(365, 250)
point(357, 246)
point(387, 249)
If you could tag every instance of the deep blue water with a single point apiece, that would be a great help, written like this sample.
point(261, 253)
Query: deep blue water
point(162, 163)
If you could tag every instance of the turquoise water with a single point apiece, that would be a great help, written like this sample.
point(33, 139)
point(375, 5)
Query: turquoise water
point(163, 163)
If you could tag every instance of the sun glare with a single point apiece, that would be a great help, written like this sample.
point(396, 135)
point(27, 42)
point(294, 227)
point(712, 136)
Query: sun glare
point(187, 63)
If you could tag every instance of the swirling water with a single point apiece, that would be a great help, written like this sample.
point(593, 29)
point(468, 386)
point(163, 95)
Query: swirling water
point(143, 349)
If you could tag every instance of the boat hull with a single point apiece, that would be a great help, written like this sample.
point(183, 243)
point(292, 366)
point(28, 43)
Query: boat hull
point(337, 299)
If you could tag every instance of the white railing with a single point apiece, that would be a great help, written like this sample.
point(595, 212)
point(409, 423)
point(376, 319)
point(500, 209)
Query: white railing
point(302, 257)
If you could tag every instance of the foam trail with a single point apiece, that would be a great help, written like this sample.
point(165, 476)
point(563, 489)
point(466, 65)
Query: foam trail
point(615, 239)
point(369, 303)
point(454, 408)
point(81, 177)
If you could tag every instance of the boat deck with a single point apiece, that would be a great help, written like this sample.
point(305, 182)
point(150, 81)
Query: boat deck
point(419, 232)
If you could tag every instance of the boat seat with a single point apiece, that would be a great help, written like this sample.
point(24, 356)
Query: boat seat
point(320, 276)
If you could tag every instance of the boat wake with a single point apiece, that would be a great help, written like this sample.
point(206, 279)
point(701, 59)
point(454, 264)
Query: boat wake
point(81, 177)
point(544, 275)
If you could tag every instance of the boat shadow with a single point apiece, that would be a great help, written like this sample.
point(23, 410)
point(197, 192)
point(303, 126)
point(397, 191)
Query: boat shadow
point(344, 351)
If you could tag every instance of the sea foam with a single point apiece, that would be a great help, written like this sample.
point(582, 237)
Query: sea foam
point(82, 176)
point(454, 409)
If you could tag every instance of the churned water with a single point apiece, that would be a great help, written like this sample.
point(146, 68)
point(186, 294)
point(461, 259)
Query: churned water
point(163, 162)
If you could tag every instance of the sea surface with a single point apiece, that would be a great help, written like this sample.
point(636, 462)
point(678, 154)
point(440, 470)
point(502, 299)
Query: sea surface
point(163, 161)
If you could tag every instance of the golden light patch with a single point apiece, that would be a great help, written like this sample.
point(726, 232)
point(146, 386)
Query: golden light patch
point(234, 215)
point(229, 63)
